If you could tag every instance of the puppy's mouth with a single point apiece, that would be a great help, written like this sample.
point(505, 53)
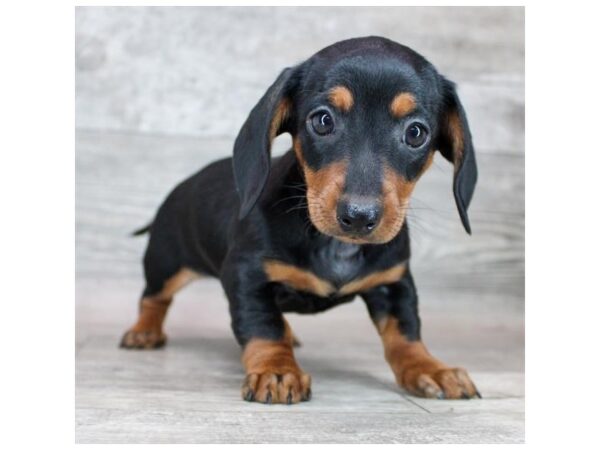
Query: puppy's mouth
point(379, 236)
point(355, 225)
point(354, 239)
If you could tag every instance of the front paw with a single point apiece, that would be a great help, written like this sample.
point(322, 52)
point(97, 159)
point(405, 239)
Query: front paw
point(424, 380)
point(141, 340)
point(271, 387)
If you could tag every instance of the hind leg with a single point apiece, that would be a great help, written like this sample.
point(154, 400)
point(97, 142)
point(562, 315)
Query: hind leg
point(147, 332)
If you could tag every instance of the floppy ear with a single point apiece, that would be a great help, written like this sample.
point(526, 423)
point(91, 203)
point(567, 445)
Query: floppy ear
point(456, 146)
point(252, 149)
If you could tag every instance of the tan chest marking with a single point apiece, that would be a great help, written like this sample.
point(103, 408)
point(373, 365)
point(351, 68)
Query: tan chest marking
point(306, 281)
point(296, 278)
point(365, 283)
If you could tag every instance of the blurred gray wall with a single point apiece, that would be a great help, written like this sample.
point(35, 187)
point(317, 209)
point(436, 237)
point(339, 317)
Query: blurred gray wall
point(197, 71)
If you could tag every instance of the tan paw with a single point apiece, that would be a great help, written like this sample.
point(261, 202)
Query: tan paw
point(441, 383)
point(270, 387)
point(143, 340)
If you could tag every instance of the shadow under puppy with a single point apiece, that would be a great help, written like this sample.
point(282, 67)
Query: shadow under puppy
point(323, 223)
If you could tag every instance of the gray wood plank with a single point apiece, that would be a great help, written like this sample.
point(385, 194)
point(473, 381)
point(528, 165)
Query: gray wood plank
point(282, 426)
point(188, 392)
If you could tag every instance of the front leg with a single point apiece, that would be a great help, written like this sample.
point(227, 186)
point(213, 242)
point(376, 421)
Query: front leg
point(272, 373)
point(394, 310)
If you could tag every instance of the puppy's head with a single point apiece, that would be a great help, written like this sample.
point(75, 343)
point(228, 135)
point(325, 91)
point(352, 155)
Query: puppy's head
point(366, 116)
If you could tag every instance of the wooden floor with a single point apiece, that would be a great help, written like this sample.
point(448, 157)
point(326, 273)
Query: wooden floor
point(471, 291)
point(189, 392)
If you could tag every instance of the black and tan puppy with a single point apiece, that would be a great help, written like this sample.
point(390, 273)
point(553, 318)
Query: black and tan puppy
point(323, 223)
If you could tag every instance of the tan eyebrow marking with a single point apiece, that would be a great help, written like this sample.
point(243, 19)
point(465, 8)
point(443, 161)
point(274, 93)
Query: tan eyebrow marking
point(403, 104)
point(341, 98)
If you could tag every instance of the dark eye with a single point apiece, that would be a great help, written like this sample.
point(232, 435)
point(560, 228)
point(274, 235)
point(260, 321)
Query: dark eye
point(322, 123)
point(415, 135)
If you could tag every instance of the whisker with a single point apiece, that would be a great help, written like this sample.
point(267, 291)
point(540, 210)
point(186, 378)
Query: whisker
point(291, 197)
point(296, 208)
point(298, 186)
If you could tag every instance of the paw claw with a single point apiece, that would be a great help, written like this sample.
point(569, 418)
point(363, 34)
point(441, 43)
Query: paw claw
point(429, 381)
point(143, 340)
point(307, 396)
point(287, 388)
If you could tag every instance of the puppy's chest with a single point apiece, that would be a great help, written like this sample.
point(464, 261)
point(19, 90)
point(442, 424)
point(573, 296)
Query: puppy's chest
point(333, 270)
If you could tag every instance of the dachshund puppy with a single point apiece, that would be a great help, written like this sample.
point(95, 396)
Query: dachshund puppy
point(322, 224)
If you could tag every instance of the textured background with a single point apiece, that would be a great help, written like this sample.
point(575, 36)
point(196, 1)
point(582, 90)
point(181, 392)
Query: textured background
point(160, 92)
point(198, 71)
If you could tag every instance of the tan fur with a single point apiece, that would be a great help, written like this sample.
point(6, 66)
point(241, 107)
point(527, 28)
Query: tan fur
point(325, 187)
point(147, 332)
point(299, 279)
point(341, 98)
point(403, 104)
point(272, 373)
point(417, 371)
point(281, 114)
point(323, 190)
point(152, 315)
point(153, 309)
point(261, 355)
point(457, 134)
point(175, 283)
point(387, 276)
point(306, 281)
point(396, 193)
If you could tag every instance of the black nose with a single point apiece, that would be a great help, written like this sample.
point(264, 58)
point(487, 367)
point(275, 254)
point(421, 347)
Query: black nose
point(358, 217)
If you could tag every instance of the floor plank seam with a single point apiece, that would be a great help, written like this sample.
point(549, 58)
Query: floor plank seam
point(410, 400)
